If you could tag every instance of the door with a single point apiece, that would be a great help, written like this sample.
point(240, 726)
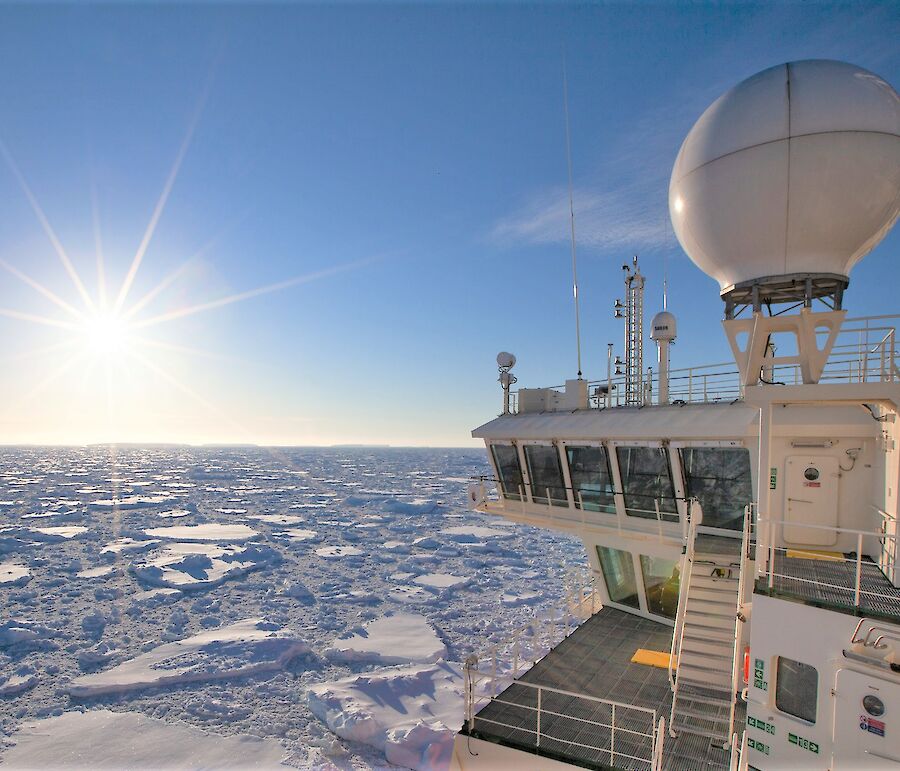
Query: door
point(866, 722)
point(811, 498)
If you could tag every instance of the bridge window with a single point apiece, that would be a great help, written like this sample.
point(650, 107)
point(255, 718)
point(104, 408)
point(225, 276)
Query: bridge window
point(661, 581)
point(506, 458)
point(618, 572)
point(592, 483)
point(796, 689)
point(545, 472)
point(647, 482)
point(719, 477)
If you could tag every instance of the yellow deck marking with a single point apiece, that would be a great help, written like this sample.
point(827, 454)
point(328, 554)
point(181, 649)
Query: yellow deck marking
point(815, 554)
point(651, 658)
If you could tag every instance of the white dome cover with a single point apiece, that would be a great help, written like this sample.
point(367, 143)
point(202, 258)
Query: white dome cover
point(794, 170)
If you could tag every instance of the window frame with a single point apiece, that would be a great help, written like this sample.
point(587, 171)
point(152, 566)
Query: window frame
point(529, 479)
point(499, 476)
point(778, 679)
point(638, 587)
point(732, 444)
point(667, 517)
point(615, 492)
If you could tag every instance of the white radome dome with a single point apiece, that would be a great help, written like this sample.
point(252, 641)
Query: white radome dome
point(796, 170)
point(663, 327)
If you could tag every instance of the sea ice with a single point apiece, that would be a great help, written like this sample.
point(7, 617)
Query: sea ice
point(411, 714)
point(13, 574)
point(244, 648)
point(101, 739)
point(336, 552)
point(439, 582)
point(402, 638)
point(191, 566)
point(208, 532)
point(466, 533)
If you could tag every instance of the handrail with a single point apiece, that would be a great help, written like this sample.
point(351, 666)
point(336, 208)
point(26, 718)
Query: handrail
point(766, 568)
point(738, 621)
point(872, 355)
point(660, 740)
point(694, 518)
point(738, 751)
point(474, 676)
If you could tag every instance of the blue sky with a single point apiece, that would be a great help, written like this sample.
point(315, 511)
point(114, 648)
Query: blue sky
point(407, 162)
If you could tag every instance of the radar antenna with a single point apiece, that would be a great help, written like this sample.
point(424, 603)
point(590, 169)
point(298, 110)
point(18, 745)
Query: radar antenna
point(572, 217)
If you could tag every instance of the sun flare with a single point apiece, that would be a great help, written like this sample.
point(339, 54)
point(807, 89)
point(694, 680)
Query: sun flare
point(105, 334)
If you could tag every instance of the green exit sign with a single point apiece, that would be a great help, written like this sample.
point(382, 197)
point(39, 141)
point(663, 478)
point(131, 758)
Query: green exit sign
point(805, 744)
point(773, 478)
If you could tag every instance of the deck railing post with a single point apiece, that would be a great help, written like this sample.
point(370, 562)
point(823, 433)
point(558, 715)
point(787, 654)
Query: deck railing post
point(538, 743)
point(858, 567)
point(494, 674)
point(516, 657)
point(771, 536)
point(612, 738)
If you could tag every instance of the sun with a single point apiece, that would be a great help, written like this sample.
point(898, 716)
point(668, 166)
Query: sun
point(105, 334)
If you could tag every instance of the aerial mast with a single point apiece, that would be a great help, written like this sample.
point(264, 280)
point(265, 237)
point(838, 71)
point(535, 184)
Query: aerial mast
point(634, 332)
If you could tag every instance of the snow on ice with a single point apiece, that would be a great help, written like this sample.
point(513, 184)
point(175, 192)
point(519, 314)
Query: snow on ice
point(244, 648)
point(101, 739)
point(410, 714)
point(402, 638)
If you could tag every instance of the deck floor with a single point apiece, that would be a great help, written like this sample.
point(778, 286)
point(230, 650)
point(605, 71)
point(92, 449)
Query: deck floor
point(596, 660)
point(831, 584)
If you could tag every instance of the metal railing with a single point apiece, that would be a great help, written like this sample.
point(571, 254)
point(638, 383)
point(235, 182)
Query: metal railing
point(488, 675)
point(517, 652)
point(781, 580)
point(638, 726)
point(865, 350)
point(736, 661)
point(574, 509)
point(738, 752)
point(690, 536)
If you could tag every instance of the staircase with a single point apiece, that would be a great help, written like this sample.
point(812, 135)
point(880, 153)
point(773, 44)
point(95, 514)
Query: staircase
point(704, 697)
point(705, 638)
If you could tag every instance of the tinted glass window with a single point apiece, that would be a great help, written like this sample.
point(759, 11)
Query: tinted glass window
point(545, 473)
point(661, 581)
point(591, 481)
point(719, 477)
point(796, 689)
point(506, 458)
point(618, 572)
point(647, 482)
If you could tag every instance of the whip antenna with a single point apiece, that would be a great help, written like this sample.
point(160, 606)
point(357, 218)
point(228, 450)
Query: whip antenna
point(572, 217)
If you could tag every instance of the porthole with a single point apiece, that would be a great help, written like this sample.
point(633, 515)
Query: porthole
point(812, 474)
point(873, 705)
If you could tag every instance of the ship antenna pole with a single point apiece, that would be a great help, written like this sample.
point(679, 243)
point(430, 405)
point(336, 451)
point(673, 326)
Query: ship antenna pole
point(572, 217)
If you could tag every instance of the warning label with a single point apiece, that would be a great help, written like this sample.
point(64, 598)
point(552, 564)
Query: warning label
point(871, 725)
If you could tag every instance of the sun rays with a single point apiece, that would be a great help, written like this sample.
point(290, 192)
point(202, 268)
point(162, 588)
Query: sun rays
point(99, 332)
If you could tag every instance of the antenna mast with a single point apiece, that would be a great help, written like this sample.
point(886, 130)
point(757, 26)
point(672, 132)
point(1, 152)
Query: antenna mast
point(634, 334)
point(572, 218)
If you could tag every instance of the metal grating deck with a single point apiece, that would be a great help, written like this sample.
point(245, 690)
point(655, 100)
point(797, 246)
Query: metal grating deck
point(596, 660)
point(831, 584)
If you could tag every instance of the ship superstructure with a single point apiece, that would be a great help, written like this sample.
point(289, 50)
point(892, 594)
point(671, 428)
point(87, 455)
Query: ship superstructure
point(740, 519)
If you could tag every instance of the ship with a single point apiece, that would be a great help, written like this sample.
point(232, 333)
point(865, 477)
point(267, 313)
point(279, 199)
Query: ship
point(741, 605)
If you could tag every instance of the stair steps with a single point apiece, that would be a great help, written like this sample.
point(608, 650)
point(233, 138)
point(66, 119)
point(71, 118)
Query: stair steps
point(703, 695)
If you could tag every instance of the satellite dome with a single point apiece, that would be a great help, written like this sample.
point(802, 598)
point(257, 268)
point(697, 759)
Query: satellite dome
point(663, 327)
point(795, 172)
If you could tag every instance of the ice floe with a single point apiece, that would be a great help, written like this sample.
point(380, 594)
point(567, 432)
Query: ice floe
point(247, 647)
point(102, 739)
point(402, 638)
point(192, 566)
point(13, 574)
point(411, 714)
point(336, 552)
point(207, 532)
